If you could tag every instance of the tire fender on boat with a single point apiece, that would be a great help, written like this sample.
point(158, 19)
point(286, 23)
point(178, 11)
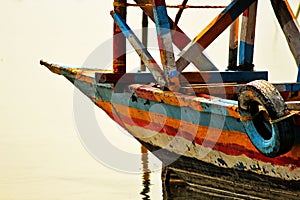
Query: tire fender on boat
point(264, 116)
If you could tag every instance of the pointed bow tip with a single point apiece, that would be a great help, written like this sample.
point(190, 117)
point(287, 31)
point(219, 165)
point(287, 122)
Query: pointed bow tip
point(42, 62)
point(52, 67)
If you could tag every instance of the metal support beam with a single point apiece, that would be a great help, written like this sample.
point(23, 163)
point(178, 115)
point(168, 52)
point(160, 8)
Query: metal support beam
point(247, 38)
point(165, 43)
point(119, 41)
point(180, 39)
point(140, 49)
point(290, 27)
point(212, 31)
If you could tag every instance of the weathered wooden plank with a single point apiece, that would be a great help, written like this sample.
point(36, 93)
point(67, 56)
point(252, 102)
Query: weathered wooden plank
point(290, 27)
point(140, 49)
point(289, 91)
point(186, 77)
point(227, 91)
point(233, 45)
point(293, 105)
point(183, 6)
point(165, 43)
point(119, 41)
point(180, 39)
point(212, 31)
point(247, 37)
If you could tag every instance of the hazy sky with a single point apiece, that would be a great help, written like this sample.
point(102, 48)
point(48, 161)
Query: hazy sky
point(38, 134)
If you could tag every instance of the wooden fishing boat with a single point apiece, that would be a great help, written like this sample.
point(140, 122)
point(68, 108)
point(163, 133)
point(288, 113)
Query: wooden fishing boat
point(232, 130)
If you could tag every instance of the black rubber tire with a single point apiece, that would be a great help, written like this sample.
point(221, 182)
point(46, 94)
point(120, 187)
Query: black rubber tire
point(271, 139)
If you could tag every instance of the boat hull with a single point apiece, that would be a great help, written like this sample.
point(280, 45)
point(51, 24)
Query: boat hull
point(216, 139)
point(202, 139)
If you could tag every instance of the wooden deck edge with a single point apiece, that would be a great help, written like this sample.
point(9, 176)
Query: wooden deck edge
point(186, 77)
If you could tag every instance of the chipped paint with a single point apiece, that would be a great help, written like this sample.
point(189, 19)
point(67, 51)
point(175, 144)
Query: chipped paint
point(140, 49)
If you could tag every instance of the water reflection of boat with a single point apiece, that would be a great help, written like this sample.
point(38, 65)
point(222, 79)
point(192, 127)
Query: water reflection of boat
point(210, 128)
point(146, 174)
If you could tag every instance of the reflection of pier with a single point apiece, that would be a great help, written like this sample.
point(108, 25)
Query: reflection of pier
point(146, 174)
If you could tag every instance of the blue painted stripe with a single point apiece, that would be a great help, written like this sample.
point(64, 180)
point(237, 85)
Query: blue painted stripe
point(206, 118)
point(298, 76)
point(235, 8)
point(292, 87)
point(246, 53)
point(173, 73)
point(122, 25)
point(162, 20)
point(236, 76)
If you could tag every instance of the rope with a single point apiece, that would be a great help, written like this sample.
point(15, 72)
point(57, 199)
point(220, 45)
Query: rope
point(292, 112)
point(272, 121)
point(117, 4)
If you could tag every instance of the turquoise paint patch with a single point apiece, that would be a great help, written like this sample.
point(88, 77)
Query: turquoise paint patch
point(122, 25)
point(214, 112)
point(267, 147)
point(246, 53)
point(173, 73)
point(205, 118)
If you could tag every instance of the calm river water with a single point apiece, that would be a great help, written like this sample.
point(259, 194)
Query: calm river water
point(41, 153)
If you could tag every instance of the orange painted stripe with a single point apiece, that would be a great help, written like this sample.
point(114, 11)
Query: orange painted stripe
point(167, 97)
point(229, 149)
point(230, 142)
point(206, 36)
point(227, 136)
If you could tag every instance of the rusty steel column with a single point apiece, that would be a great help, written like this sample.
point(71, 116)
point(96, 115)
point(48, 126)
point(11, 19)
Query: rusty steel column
point(119, 40)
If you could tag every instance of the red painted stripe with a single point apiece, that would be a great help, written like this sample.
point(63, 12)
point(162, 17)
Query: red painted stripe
point(246, 13)
point(232, 149)
point(159, 2)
